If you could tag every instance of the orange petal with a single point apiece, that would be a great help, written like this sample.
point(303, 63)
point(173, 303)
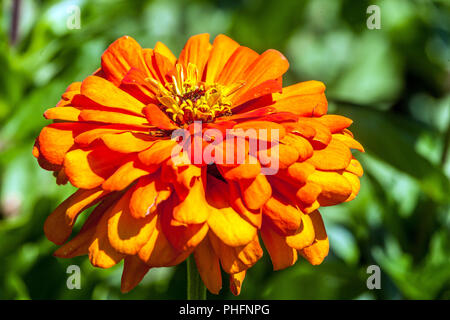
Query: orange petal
point(335, 156)
point(335, 188)
point(192, 209)
point(148, 193)
point(304, 236)
point(255, 192)
point(323, 134)
point(223, 220)
point(181, 236)
point(112, 117)
point(58, 225)
point(127, 234)
point(308, 98)
point(355, 168)
point(350, 142)
point(79, 245)
point(208, 266)
point(162, 49)
point(355, 183)
point(66, 113)
point(268, 66)
point(236, 65)
point(236, 281)
point(241, 171)
point(126, 174)
point(269, 131)
point(300, 171)
point(88, 168)
point(158, 252)
point(128, 142)
point(317, 252)
point(301, 88)
point(89, 136)
point(236, 202)
point(158, 118)
point(265, 88)
point(303, 147)
point(223, 48)
point(159, 151)
point(134, 271)
point(55, 140)
point(304, 105)
point(335, 123)
point(101, 253)
point(281, 254)
point(122, 55)
point(284, 217)
point(308, 193)
point(105, 93)
point(288, 155)
point(196, 51)
point(236, 259)
point(135, 83)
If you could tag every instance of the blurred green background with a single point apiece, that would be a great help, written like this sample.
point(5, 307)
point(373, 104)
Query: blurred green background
point(393, 82)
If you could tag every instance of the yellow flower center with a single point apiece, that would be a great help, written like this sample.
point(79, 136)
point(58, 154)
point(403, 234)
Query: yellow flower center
point(186, 99)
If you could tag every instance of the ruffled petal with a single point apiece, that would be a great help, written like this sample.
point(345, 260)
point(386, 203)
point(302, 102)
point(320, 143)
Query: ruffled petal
point(281, 254)
point(208, 266)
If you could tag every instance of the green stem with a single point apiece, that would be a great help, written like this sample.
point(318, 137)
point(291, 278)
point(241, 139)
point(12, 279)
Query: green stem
point(196, 290)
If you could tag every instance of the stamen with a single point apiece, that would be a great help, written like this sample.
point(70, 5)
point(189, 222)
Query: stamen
point(186, 99)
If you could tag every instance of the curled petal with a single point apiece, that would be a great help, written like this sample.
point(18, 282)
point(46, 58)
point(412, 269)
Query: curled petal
point(236, 281)
point(133, 272)
point(236, 259)
point(58, 225)
point(222, 216)
point(127, 234)
point(208, 266)
point(281, 254)
point(335, 156)
point(122, 55)
point(284, 217)
point(316, 252)
point(148, 193)
point(335, 188)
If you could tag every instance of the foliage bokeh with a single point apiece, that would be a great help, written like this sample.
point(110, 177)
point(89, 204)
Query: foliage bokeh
point(393, 82)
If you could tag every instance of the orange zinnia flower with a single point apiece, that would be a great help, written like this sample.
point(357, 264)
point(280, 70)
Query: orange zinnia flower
point(111, 139)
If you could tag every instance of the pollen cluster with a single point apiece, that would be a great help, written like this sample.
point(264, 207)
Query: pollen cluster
point(186, 99)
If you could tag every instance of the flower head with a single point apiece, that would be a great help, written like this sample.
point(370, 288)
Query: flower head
point(112, 139)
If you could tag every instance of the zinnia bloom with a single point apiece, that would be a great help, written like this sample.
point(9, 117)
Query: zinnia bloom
point(111, 139)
